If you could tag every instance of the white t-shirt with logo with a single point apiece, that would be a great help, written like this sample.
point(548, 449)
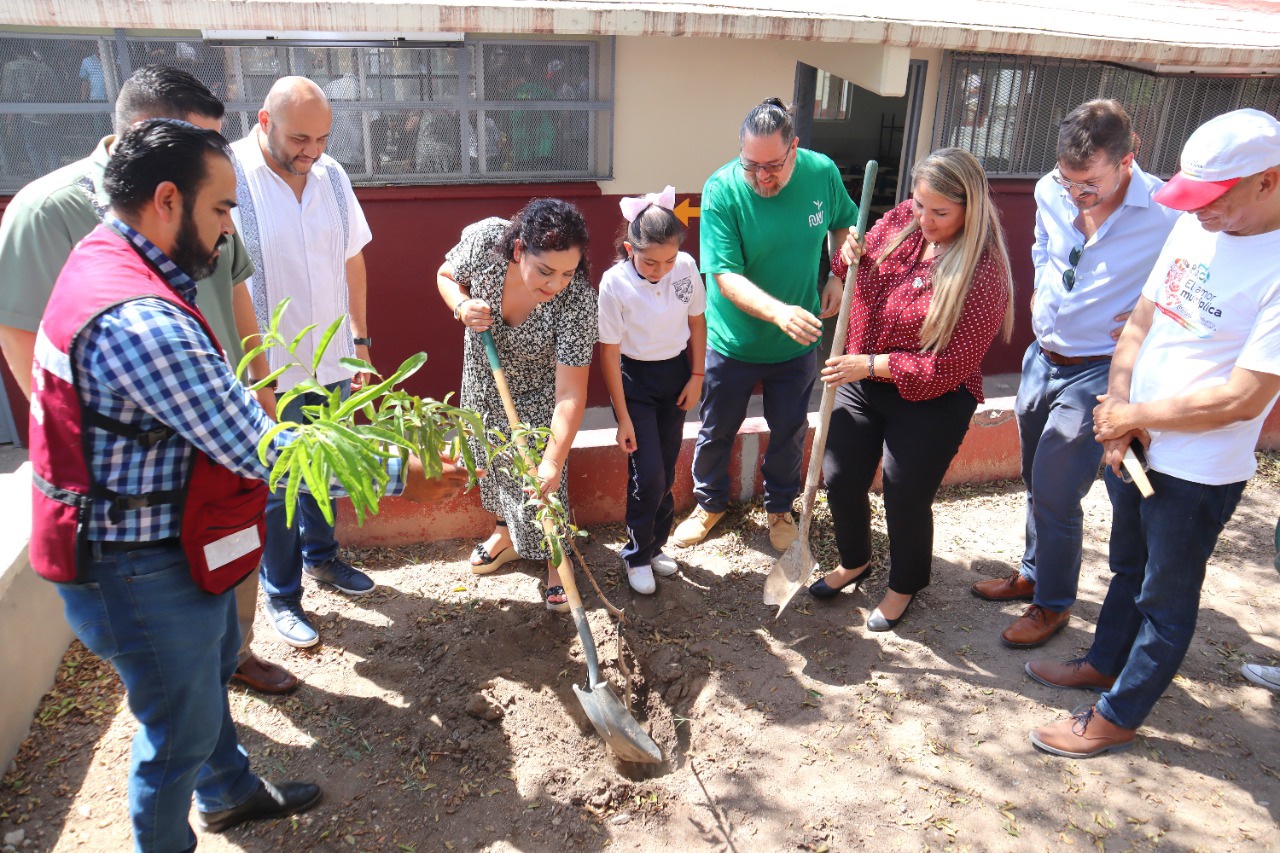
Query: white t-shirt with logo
point(650, 321)
point(1217, 303)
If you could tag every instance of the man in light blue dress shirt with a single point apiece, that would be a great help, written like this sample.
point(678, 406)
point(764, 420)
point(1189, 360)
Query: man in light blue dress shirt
point(1097, 235)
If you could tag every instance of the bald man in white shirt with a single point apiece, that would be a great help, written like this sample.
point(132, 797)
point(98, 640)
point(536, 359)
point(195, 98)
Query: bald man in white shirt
point(306, 233)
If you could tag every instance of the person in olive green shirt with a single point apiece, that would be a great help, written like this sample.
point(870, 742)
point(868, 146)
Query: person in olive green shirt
point(764, 218)
point(49, 216)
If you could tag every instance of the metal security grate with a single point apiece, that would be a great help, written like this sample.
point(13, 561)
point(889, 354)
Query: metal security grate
point(56, 96)
point(491, 111)
point(1005, 110)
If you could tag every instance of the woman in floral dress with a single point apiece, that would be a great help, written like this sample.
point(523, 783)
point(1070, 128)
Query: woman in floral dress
point(526, 282)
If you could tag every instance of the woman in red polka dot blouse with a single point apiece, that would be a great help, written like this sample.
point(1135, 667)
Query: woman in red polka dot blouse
point(931, 295)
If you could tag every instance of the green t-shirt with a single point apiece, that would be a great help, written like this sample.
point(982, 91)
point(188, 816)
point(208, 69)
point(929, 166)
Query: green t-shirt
point(45, 220)
point(776, 243)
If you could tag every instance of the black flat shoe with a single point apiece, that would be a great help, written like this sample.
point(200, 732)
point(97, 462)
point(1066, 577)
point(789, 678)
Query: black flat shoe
point(822, 590)
point(269, 801)
point(877, 622)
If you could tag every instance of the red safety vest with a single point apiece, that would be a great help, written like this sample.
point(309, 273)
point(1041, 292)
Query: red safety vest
point(222, 513)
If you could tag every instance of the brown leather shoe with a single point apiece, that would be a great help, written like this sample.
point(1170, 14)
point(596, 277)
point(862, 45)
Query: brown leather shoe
point(265, 676)
point(1084, 734)
point(1074, 673)
point(1035, 627)
point(1013, 588)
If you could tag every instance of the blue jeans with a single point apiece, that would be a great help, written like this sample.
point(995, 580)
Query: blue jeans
point(1159, 549)
point(1060, 461)
point(725, 396)
point(175, 648)
point(651, 389)
point(310, 538)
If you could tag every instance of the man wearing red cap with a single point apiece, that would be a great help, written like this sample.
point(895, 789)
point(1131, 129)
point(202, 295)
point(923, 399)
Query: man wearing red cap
point(1195, 372)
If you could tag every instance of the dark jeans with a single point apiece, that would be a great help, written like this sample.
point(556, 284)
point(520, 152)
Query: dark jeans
point(1060, 461)
point(1159, 549)
point(651, 389)
point(310, 538)
point(917, 440)
point(725, 396)
point(175, 648)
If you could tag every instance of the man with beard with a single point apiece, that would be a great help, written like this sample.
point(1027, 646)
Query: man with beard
point(128, 388)
point(50, 215)
point(764, 217)
point(1097, 234)
point(306, 233)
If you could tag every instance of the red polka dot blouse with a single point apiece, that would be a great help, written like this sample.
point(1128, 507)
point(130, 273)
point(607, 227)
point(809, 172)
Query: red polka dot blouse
point(890, 304)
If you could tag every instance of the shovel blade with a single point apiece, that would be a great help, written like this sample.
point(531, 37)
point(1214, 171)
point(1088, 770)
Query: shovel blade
point(792, 571)
point(618, 728)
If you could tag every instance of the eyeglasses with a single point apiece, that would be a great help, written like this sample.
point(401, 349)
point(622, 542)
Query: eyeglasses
point(1082, 188)
point(770, 168)
point(1069, 274)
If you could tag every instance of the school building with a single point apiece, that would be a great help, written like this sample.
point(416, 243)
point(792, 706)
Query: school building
point(446, 112)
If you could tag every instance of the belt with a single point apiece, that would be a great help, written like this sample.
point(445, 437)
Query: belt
point(1071, 360)
point(125, 547)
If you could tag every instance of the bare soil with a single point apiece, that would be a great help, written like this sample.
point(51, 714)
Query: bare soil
point(438, 712)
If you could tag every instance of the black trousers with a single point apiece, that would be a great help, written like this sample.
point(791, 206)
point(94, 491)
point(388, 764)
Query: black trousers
point(651, 389)
point(917, 440)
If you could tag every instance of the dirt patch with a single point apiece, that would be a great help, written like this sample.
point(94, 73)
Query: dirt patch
point(438, 712)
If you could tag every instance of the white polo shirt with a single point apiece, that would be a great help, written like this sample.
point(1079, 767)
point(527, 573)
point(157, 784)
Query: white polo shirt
point(650, 321)
point(299, 250)
point(1217, 299)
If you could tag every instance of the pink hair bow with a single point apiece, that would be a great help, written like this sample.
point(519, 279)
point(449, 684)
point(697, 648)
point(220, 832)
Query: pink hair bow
point(633, 207)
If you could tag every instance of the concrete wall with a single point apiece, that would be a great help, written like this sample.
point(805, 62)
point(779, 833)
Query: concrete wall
point(680, 101)
point(33, 633)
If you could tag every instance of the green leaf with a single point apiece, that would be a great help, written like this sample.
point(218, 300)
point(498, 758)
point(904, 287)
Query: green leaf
point(357, 364)
point(242, 368)
point(268, 441)
point(297, 339)
point(269, 378)
point(324, 341)
point(277, 314)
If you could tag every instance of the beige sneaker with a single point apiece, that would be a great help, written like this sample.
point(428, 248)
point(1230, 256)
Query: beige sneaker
point(782, 530)
point(696, 527)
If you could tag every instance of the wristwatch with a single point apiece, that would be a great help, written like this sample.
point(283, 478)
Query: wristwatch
point(363, 342)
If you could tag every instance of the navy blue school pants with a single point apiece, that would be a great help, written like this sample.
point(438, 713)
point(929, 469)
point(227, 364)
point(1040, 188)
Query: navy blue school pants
point(651, 389)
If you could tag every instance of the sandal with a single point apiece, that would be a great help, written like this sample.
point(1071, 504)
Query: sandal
point(557, 606)
point(483, 564)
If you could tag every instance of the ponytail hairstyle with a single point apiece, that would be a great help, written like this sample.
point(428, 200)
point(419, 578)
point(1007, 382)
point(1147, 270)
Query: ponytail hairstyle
point(957, 176)
point(546, 225)
point(767, 118)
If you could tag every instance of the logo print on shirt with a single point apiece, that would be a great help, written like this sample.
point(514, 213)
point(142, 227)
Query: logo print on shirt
point(815, 219)
point(683, 289)
point(1186, 300)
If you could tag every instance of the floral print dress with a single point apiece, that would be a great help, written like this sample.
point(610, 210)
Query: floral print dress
point(562, 331)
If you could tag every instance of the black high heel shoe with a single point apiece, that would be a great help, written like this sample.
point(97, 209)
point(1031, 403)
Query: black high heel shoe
point(877, 621)
point(822, 590)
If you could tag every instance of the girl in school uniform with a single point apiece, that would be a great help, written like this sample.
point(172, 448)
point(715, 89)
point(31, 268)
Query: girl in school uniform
point(653, 345)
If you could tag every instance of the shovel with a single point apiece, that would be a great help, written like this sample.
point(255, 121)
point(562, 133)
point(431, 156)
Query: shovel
point(604, 709)
point(796, 565)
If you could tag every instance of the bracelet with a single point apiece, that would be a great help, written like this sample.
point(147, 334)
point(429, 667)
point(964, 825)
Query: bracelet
point(871, 366)
point(272, 385)
point(458, 306)
point(699, 374)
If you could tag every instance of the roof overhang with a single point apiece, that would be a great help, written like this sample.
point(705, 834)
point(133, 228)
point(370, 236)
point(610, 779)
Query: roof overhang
point(1168, 34)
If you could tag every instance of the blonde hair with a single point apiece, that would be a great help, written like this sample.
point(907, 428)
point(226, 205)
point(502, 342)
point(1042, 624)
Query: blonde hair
point(957, 176)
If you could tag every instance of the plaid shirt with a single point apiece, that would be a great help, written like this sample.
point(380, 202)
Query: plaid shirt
point(148, 363)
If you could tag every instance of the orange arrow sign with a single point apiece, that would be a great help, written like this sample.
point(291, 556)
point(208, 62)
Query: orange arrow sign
point(684, 212)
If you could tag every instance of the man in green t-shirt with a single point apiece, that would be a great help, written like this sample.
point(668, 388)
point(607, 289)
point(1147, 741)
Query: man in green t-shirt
point(45, 220)
point(764, 217)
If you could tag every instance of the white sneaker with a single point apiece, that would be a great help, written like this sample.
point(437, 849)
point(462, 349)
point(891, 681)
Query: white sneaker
point(664, 565)
point(641, 579)
point(1267, 676)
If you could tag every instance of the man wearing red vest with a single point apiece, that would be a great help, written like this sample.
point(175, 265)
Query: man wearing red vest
point(129, 389)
